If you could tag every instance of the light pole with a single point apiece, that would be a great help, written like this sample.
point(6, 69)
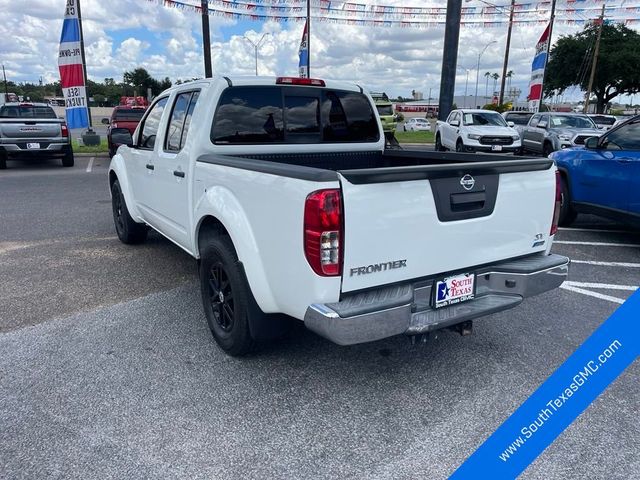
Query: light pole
point(256, 46)
point(478, 69)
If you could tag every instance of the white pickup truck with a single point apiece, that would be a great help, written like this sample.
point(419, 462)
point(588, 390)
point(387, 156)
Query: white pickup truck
point(470, 130)
point(282, 189)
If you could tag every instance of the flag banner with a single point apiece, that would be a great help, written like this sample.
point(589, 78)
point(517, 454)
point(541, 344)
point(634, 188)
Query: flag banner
point(303, 54)
point(71, 70)
point(290, 11)
point(537, 71)
point(560, 399)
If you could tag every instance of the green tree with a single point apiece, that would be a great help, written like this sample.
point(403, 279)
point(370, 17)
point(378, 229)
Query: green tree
point(618, 68)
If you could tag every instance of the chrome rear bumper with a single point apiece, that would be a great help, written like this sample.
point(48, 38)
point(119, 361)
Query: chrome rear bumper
point(407, 308)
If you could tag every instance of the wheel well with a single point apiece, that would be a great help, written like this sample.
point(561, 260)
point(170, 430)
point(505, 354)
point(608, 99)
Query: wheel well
point(565, 176)
point(210, 225)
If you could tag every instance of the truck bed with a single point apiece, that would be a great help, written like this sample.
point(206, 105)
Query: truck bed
point(378, 167)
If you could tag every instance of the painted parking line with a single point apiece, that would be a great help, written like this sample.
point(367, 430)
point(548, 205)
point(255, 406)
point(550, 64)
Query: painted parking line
point(604, 286)
point(589, 293)
point(597, 244)
point(607, 264)
point(90, 166)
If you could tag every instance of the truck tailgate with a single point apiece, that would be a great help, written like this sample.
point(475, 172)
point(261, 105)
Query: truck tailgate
point(405, 223)
point(20, 129)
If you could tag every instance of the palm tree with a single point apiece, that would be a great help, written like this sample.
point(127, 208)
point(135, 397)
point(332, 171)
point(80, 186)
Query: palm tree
point(495, 77)
point(508, 77)
point(486, 86)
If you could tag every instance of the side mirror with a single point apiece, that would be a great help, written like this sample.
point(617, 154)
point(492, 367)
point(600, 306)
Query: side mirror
point(542, 124)
point(455, 123)
point(511, 124)
point(592, 143)
point(106, 121)
point(121, 136)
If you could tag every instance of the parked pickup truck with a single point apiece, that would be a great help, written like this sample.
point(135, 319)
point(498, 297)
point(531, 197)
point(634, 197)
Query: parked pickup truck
point(470, 130)
point(283, 191)
point(30, 130)
point(549, 132)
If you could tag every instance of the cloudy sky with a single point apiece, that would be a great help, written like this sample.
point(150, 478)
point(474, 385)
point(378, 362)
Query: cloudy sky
point(124, 34)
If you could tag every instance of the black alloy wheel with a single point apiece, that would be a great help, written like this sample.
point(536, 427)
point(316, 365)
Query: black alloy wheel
point(118, 213)
point(221, 297)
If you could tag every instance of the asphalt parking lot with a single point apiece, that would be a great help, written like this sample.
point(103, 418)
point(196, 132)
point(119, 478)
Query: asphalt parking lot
point(108, 370)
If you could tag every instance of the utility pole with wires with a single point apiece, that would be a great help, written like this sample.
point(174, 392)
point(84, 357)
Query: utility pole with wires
point(546, 60)
point(6, 89)
point(256, 46)
point(506, 54)
point(308, 38)
point(595, 60)
point(206, 39)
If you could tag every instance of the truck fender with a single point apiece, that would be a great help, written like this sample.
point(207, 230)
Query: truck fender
point(220, 203)
point(117, 170)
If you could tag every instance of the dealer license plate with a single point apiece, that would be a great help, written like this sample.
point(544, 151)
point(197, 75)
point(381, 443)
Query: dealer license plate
point(33, 146)
point(455, 289)
point(496, 148)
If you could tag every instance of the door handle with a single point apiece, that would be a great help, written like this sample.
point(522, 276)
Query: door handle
point(150, 167)
point(178, 173)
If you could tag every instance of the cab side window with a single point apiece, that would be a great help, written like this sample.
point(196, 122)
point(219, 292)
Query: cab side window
point(534, 121)
point(624, 138)
point(180, 121)
point(149, 130)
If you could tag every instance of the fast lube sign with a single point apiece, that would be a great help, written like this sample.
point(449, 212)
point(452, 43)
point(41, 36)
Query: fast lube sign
point(70, 64)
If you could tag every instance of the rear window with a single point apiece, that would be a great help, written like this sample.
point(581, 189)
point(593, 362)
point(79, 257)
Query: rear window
point(385, 109)
point(519, 118)
point(26, 111)
point(247, 115)
point(603, 120)
point(129, 115)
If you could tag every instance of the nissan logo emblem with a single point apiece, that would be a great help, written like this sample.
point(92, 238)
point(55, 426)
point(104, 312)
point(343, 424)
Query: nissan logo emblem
point(467, 182)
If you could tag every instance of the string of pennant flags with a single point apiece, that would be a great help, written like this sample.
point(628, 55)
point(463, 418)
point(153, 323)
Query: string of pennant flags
point(325, 11)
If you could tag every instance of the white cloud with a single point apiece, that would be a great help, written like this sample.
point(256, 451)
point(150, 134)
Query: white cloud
point(132, 49)
point(395, 60)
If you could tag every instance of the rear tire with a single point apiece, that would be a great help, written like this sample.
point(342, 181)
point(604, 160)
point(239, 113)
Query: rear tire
point(226, 296)
point(129, 231)
point(567, 213)
point(68, 159)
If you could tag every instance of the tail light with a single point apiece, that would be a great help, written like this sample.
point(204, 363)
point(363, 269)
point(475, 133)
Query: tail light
point(323, 232)
point(314, 82)
point(65, 130)
point(556, 209)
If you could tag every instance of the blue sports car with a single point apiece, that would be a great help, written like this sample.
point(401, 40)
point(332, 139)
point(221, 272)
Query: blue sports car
point(603, 177)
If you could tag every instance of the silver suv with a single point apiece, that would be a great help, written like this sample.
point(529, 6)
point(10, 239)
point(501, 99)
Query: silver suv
point(548, 132)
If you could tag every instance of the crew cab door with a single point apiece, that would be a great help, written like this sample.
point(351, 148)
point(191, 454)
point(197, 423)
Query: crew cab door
point(533, 137)
point(172, 175)
point(450, 130)
point(607, 175)
point(140, 160)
